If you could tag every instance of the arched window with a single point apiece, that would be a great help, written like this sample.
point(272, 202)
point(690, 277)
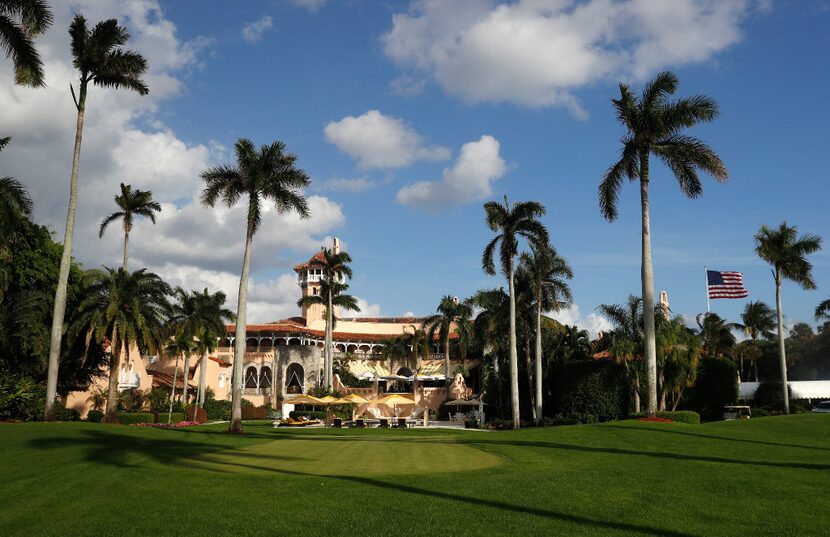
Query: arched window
point(265, 377)
point(251, 377)
point(294, 378)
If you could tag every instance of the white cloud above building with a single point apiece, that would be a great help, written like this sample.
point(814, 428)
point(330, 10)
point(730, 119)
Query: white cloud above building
point(253, 31)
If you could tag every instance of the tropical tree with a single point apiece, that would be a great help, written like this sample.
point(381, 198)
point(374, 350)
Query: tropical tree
point(182, 344)
point(512, 222)
point(440, 325)
point(15, 203)
point(127, 309)
point(260, 175)
point(20, 21)
point(787, 252)
point(678, 353)
point(654, 126)
point(131, 203)
point(627, 339)
point(547, 272)
point(758, 320)
point(332, 295)
point(212, 315)
point(716, 334)
point(335, 270)
point(823, 310)
point(100, 58)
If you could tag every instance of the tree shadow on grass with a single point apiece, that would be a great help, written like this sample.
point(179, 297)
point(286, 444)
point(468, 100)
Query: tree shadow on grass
point(715, 437)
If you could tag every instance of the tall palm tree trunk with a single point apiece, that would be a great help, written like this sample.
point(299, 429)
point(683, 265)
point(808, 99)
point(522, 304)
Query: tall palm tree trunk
point(241, 335)
point(185, 376)
point(328, 358)
point(447, 358)
point(126, 248)
point(530, 391)
point(648, 294)
point(59, 309)
point(539, 414)
point(173, 391)
point(514, 355)
point(112, 385)
point(203, 379)
point(782, 352)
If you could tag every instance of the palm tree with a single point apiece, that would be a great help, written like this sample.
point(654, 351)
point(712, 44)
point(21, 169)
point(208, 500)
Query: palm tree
point(519, 220)
point(181, 344)
point(212, 314)
point(547, 271)
point(332, 295)
point(823, 310)
point(20, 21)
point(15, 202)
point(99, 58)
point(335, 270)
point(716, 334)
point(128, 309)
point(758, 320)
point(439, 326)
point(787, 252)
point(267, 174)
point(132, 203)
point(654, 125)
point(627, 339)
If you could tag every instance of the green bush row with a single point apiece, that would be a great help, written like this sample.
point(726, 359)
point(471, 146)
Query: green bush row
point(680, 416)
point(128, 418)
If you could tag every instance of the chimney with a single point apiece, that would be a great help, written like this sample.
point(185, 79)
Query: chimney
point(335, 246)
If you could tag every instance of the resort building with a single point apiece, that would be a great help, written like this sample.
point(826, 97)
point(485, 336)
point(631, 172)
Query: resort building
point(285, 358)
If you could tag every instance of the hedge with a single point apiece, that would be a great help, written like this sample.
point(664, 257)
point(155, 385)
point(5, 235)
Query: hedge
point(591, 391)
point(218, 409)
point(716, 386)
point(680, 416)
point(254, 412)
point(94, 416)
point(128, 418)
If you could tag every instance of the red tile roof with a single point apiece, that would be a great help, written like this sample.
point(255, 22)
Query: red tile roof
point(165, 380)
point(319, 256)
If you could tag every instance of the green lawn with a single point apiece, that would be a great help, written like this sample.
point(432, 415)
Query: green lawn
point(768, 476)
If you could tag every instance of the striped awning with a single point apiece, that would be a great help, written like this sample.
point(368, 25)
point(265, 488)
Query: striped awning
point(433, 369)
point(368, 369)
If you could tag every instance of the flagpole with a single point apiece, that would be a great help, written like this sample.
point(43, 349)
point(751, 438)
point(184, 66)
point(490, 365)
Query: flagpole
point(708, 304)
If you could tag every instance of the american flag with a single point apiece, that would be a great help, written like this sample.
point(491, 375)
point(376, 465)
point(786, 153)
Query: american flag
point(726, 284)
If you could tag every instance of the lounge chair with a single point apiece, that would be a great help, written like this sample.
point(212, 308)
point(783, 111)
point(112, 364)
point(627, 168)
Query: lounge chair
point(359, 423)
point(384, 423)
point(337, 423)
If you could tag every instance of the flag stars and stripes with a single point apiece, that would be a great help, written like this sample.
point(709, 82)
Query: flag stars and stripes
point(726, 284)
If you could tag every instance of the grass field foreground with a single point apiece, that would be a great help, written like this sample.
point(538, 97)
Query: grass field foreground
point(768, 476)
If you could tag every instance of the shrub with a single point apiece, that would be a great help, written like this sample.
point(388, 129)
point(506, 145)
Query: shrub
point(716, 386)
point(192, 413)
point(592, 391)
point(175, 417)
point(128, 418)
point(679, 416)
point(21, 398)
point(573, 418)
point(94, 416)
point(131, 400)
point(158, 399)
point(218, 409)
point(759, 412)
point(254, 412)
point(245, 403)
point(500, 424)
point(66, 414)
point(769, 396)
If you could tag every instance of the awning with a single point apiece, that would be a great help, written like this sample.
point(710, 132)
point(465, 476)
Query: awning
point(432, 370)
point(368, 369)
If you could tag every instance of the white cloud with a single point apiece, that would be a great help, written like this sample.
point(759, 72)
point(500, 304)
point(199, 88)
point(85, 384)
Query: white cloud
point(407, 85)
point(311, 5)
point(366, 309)
point(379, 141)
point(593, 322)
point(469, 179)
point(126, 141)
point(253, 31)
point(536, 52)
point(358, 184)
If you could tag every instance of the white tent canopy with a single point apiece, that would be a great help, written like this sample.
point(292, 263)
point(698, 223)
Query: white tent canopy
point(799, 389)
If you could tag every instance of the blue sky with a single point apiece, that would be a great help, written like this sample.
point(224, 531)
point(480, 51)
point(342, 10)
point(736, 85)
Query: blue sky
point(304, 66)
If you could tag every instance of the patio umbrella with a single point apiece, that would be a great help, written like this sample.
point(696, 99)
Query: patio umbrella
point(394, 400)
point(303, 400)
point(353, 399)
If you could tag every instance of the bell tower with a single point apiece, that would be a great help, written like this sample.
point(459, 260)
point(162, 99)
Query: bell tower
point(309, 278)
